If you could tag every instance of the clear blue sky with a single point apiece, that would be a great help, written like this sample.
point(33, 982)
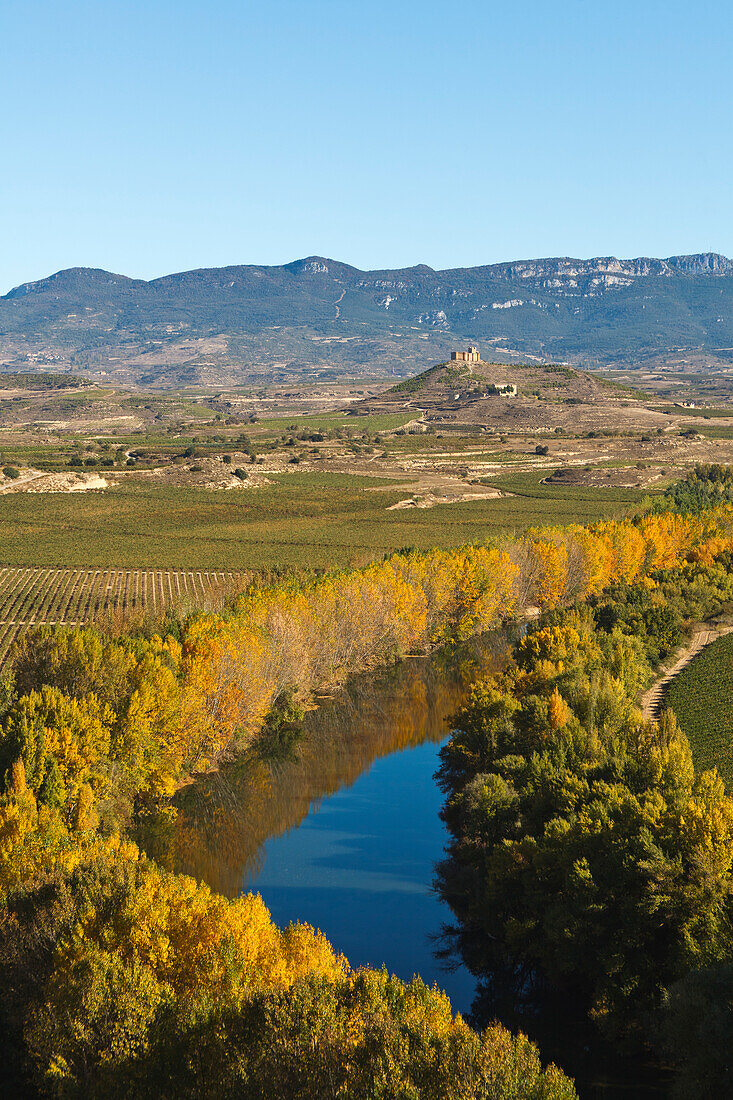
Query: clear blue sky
point(150, 136)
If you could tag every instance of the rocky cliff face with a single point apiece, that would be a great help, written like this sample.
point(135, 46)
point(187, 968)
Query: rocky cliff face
point(702, 263)
point(607, 271)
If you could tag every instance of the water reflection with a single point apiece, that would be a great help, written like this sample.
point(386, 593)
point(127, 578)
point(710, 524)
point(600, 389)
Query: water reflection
point(340, 827)
point(342, 830)
point(224, 821)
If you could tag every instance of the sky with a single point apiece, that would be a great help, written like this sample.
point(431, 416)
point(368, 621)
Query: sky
point(151, 136)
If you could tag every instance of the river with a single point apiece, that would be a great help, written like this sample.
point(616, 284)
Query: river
point(342, 830)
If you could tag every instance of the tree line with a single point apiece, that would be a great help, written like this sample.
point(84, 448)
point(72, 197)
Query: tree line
point(589, 860)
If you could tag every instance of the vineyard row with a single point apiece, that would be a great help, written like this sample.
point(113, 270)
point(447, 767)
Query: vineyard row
point(30, 597)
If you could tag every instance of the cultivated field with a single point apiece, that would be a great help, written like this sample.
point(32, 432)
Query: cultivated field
point(308, 520)
point(242, 480)
point(31, 597)
point(702, 698)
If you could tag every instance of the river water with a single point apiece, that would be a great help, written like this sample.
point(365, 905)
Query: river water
point(342, 830)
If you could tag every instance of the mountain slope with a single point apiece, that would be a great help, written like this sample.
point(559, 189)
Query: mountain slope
point(316, 315)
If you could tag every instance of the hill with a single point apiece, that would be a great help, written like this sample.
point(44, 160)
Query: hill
point(317, 317)
point(468, 397)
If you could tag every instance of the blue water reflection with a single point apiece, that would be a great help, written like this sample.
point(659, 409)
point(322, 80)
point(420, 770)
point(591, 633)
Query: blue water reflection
point(344, 832)
point(360, 866)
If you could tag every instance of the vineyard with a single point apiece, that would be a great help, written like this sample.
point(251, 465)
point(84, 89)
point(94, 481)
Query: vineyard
point(30, 597)
point(702, 698)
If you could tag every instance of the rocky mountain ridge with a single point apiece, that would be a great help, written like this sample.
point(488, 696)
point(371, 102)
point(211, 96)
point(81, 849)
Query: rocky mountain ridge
point(316, 316)
point(542, 270)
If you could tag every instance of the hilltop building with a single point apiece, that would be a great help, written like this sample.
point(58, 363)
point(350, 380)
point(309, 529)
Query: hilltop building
point(470, 356)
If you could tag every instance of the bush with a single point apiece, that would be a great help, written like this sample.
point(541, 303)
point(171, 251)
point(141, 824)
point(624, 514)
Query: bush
point(11, 472)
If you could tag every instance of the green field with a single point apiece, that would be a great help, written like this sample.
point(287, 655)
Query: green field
point(312, 520)
point(31, 597)
point(706, 414)
point(702, 698)
point(716, 432)
point(376, 422)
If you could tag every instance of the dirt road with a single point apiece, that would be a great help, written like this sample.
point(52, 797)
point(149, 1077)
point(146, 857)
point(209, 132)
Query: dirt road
point(653, 697)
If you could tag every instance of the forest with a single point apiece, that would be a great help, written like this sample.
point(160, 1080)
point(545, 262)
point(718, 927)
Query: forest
point(602, 855)
point(590, 863)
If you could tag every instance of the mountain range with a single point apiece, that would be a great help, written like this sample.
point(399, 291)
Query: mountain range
point(319, 318)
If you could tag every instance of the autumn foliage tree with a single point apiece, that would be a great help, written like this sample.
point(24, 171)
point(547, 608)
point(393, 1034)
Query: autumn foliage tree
point(587, 855)
point(119, 980)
